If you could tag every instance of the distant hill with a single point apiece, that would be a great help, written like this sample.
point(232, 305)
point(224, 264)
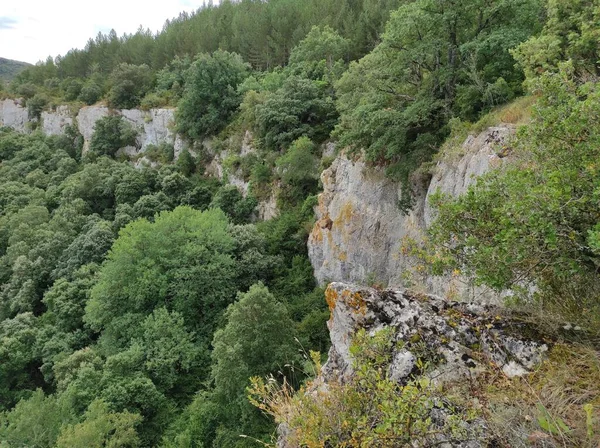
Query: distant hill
point(9, 68)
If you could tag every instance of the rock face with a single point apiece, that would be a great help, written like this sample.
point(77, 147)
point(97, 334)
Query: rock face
point(13, 115)
point(154, 126)
point(360, 227)
point(459, 335)
point(54, 123)
point(435, 341)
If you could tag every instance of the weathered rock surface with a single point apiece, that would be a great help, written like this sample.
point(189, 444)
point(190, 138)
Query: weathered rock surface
point(13, 115)
point(54, 123)
point(445, 343)
point(154, 126)
point(461, 336)
point(267, 209)
point(360, 227)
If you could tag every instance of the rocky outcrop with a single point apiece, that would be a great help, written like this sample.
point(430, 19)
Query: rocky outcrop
point(13, 115)
point(154, 126)
point(436, 344)
point(360, 228)
point(459, 336)
point(267, 209)
point(54, 123)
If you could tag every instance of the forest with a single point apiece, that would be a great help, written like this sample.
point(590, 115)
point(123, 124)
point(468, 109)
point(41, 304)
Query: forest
point(137, 302)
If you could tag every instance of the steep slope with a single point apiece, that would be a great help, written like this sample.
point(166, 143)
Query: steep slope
point(360, 231)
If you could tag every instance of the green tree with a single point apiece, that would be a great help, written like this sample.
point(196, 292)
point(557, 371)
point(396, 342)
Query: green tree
point(237, 207)
point(436, 57)
point(129, 84)
point(571, 33)
point(112, 133)
point(301, 107)
point(298, 169)
point(102, 428)
point(535, 222)
point(35, 421)
point(90, 93)
point(257, 340)
point(210, 95)
point(181, 261)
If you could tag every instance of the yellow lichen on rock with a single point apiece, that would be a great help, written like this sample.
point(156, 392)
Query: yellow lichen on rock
point(331, 297)
point(355, 301)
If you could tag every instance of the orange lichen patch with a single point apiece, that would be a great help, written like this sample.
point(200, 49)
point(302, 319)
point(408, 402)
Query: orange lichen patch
point(345, 214)
point(355, 301)
point(321, 224)
point(317, 233)
point(343, 256)
point(331, 296)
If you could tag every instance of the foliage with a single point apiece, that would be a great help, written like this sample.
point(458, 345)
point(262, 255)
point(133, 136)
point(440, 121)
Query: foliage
point(434, 62)
point(297, 169)
point(101, 428)
point(534, 222)
point(238, 208)
point(112, 133)
point(181, 261)
point(210, 95)
point(301, 107)
point(35, 106)
point(35, 421)
point(257, 340)
point(90, 93)
point(368, 410)
point(129, 84)
point(570, 33)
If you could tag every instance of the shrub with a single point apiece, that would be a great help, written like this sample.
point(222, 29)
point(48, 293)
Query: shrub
point(36, 105)
point(211, 95)
point(368, 410)
point(112, 133)
point(90, 93)
point(129, 85)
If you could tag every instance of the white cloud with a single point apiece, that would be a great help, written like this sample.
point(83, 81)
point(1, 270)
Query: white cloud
point(37, 29)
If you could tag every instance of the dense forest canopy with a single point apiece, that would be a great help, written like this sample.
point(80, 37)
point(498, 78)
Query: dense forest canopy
point(137, 301)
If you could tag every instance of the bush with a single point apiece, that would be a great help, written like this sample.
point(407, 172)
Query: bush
point(129, 84)
point(532, 227)
point(368, 410)
point(211, 96)
point(90, 93)
point(299, 108)
point(36, 105)
point(112, 133)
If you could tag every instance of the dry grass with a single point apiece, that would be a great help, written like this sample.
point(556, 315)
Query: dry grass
point(517, 112)
point(564, 391)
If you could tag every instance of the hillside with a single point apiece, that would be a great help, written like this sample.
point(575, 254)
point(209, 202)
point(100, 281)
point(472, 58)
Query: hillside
point(307, 224)
point(9, 68)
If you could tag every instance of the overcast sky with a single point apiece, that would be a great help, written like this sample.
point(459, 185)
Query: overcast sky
point(32, 30)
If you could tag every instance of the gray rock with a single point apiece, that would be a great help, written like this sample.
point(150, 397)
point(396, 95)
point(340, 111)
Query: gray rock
point(154, 126)
point(452, 331)
point(54, 122)
point(457, 341)
point(360, 228)
point(13, 115)
point(403, 363)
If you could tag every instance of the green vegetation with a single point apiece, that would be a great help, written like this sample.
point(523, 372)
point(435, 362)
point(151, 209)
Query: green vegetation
point(369, 410)
point(136, 303)
point(9, 68)
point(116, 281)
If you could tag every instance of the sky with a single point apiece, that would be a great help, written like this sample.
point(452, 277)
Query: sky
point(32, 30)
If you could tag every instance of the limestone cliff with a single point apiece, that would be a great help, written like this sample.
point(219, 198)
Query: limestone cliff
point(154, 126)
point(360, 227)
